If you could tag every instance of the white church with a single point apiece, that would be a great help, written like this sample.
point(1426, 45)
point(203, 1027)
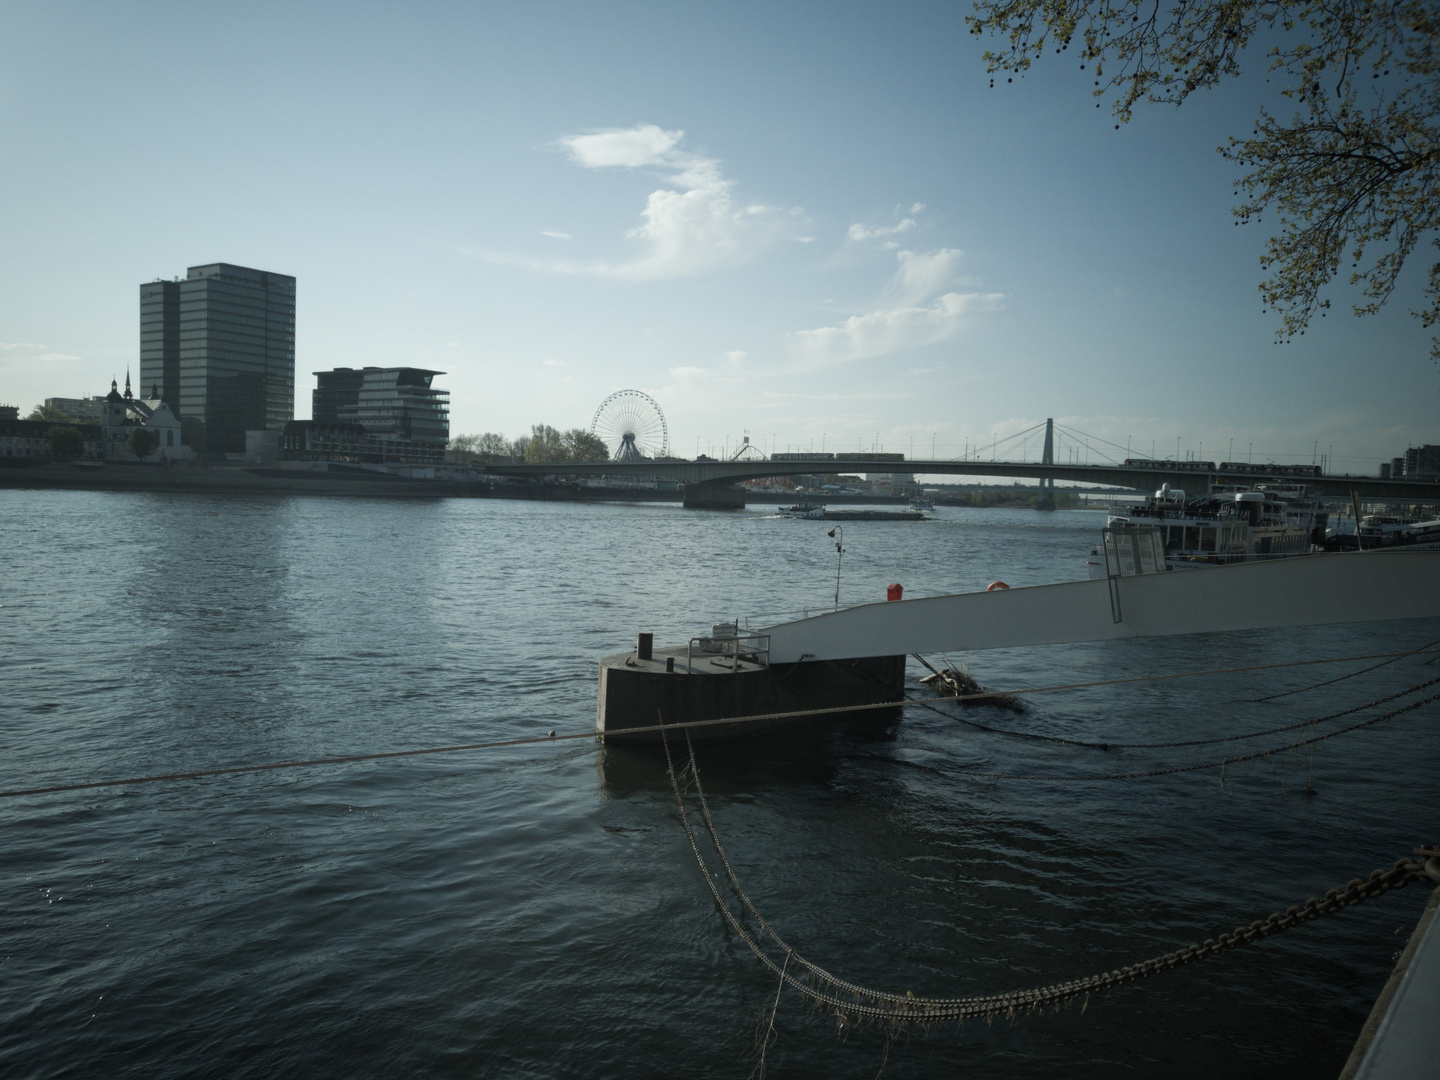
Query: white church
point(122, 414)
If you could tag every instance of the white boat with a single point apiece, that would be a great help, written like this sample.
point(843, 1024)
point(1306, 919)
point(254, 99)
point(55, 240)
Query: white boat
point(921, 502)
point(802, 510)
point(1230, 524)
point(1380, 530)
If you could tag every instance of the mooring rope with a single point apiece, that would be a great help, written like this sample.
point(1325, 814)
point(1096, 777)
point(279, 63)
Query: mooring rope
point(1036, 736)
point(1174, 770)
point(551, 737)
point(866, 1003)
point(1341, 678)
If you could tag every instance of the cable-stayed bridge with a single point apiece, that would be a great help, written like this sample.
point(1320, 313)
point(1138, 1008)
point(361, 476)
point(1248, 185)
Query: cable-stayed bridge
point(710, 483)
point(728, 473)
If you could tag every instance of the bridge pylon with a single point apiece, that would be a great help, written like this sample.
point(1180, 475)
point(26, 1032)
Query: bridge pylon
point(1045, 498)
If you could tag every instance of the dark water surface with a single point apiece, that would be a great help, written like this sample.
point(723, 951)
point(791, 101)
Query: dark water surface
point(536, 911)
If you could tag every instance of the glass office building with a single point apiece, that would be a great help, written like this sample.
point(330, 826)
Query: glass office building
point(398, 408)
point(220, 346)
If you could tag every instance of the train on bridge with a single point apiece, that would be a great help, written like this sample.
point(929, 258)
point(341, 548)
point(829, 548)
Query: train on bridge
point(1247, 467)
point(825, 456)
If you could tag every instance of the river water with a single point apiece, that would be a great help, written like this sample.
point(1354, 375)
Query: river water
point(536, 911)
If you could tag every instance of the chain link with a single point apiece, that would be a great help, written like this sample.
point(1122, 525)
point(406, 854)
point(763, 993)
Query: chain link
point(864, 1003)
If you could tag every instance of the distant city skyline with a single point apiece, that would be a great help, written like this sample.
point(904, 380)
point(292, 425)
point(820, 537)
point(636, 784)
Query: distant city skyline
point(834, 230)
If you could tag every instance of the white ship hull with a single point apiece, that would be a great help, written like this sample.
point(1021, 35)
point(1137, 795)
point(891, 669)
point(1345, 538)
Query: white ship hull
point(1309, 591)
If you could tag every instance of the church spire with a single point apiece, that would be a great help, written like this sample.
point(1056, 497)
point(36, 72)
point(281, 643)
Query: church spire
point(127, 383)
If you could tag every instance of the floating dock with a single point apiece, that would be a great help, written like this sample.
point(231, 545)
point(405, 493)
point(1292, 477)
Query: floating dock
point(731, 677)
point(856, 656)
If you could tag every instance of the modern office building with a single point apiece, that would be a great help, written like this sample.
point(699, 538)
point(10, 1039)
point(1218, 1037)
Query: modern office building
point(220, 348)
point(1419, 463)
point(1422, 463)
point(85, 410)
point(401, 413)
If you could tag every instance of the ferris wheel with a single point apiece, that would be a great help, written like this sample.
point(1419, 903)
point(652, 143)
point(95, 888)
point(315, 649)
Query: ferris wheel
point(632, 426)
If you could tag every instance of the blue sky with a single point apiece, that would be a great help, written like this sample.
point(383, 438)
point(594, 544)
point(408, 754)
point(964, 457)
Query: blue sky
point(803, 222)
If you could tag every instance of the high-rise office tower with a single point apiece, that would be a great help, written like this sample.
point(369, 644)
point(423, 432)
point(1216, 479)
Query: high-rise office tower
point(220, 346)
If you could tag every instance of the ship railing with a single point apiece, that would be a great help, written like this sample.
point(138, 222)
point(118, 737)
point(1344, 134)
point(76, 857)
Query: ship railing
point(1130, 550)
point(740, 646)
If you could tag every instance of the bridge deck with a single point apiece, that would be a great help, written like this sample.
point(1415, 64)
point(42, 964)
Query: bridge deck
point(1121, 476)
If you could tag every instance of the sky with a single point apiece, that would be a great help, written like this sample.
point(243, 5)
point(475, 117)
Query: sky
point(815, 224)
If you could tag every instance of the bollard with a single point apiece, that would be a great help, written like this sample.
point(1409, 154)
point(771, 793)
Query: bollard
point(645, 647)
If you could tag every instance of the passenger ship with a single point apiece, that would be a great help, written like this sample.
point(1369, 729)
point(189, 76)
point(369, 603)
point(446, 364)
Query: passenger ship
point(1382, 530)
point(1231, 524)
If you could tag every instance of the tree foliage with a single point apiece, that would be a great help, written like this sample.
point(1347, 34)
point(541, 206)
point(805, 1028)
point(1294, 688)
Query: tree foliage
point(1354, 173)
point(142, 443)
point(65, 441)
point(583, 446)
point(50, 413)
point(489, 447)
point(549, 445)
point(544, 444)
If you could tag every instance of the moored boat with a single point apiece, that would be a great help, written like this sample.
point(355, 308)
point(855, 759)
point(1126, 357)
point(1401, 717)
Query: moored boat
point(1230, 524)
point(1385, 531)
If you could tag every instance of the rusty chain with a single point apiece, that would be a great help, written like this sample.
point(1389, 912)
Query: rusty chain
point(864, 1003)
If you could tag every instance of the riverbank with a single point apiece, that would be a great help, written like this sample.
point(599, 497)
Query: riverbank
point(345, 480)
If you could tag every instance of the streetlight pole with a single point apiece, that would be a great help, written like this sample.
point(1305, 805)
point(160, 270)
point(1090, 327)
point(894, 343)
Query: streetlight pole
point(839, 557)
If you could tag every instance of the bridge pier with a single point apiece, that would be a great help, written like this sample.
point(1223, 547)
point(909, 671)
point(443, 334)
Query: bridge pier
point(714, 495)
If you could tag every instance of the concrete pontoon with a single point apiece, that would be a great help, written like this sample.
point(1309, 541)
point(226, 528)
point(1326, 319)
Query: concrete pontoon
point(857, 656)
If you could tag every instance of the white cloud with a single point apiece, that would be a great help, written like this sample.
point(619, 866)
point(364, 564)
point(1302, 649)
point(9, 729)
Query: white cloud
point(689, 225)
point(552, 363)
point(919, 307)
point(623, 148)
point(923, 274)
point(880, 232)
point(24, 354)
point(556, 234)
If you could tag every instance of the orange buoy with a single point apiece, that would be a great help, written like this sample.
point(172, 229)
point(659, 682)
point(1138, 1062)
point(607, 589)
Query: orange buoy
point(996, 585)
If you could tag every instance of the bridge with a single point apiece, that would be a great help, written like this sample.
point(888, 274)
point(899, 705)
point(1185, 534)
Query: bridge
point(714, 484)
